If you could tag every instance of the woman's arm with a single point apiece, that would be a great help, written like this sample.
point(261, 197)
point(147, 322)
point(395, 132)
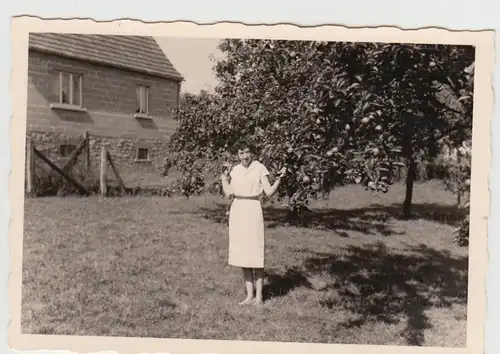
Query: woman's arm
point(268, 189)
point(225, 186)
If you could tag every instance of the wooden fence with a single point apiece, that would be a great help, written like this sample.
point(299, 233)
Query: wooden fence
point(65, 170)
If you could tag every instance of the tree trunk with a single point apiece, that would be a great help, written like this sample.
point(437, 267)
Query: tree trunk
point(412, 167)
point(292, 216)
point(410, 180)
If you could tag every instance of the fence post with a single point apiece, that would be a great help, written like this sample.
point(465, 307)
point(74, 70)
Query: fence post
point(104, 165)
point(30, 167)
point(115, 170)
point(86, 136)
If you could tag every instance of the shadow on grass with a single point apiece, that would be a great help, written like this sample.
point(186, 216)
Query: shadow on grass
point(378, 285)
point(441, 213)
point(280, 285)
point(369, 220)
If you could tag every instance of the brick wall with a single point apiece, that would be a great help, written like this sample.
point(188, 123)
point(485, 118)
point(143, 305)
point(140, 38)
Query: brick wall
point(109, 99)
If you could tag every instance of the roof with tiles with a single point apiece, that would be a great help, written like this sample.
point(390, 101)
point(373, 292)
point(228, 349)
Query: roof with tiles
point(136, 53)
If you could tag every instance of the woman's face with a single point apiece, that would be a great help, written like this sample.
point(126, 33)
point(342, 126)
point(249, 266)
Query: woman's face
point(245, 156)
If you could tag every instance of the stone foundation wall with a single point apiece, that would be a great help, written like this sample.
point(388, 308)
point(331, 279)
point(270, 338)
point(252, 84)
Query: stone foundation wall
point(122, 150)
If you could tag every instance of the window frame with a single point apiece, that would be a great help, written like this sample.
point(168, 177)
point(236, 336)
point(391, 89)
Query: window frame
point(71, 93)
point(143, 107)
point(148, 152)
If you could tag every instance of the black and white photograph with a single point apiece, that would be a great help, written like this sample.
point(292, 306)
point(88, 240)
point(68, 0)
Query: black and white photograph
point(253, 189)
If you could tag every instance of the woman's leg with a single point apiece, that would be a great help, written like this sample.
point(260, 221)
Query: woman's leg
point(248, 276)
point(259, 280)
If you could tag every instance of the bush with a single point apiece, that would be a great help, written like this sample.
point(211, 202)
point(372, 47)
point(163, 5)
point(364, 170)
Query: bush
point(457, 163)
point(461, 237)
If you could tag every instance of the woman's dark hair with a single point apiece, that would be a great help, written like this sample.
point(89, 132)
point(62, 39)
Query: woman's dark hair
point(244, 143)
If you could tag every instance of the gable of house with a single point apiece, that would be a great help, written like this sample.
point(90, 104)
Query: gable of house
point(136, 53)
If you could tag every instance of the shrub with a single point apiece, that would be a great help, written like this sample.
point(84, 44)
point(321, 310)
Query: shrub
point(457, 163)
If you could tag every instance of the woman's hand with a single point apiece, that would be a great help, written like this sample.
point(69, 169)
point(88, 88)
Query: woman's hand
point(226, 169)
point(282, 172)
point(223, 177)
point(270, 190)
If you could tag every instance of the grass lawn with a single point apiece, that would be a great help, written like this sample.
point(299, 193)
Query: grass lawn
point(157, 267)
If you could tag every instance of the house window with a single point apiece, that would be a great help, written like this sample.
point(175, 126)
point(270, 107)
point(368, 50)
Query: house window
point(142, 154)
point(70, 89)
point(66, 149)
point(142, 100)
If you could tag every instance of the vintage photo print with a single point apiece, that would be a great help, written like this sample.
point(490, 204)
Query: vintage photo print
point(226, 188)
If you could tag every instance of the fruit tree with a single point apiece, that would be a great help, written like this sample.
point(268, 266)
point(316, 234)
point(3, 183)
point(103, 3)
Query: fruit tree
point(330, 112)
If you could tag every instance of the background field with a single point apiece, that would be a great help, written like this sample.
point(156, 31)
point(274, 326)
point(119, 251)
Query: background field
point(352, 272)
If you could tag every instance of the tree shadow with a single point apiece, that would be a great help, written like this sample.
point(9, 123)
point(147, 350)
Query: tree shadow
point(335, 220)
point(380, 285)
point(369, 220)
point(278, 285)
point(441, 213)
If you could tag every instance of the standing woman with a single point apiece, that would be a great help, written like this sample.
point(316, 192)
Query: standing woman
point(246, 223)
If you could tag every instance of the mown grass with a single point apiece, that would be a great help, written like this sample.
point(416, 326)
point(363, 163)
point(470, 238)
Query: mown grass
point(351, 272)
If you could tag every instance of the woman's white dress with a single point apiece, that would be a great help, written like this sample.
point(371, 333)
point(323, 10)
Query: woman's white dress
point(246, 222)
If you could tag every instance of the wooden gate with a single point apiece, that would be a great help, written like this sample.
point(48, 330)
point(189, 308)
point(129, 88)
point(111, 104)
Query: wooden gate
point(64, 171)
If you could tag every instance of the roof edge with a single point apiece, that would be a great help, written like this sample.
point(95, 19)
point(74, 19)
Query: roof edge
point(153, 73)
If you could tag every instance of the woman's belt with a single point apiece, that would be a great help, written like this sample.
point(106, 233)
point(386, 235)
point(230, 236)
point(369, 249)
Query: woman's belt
point(247, 197)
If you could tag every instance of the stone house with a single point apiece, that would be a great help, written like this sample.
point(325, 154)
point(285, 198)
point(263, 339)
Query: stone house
point(120, 89)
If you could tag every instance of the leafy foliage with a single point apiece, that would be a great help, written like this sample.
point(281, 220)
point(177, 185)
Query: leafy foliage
point(457, 161)
point(332, 112)
point(461, 237)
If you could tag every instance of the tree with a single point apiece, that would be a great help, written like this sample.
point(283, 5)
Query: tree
point(192, 145)
point(331, 112)
point(419, 92)
point(456, 157)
